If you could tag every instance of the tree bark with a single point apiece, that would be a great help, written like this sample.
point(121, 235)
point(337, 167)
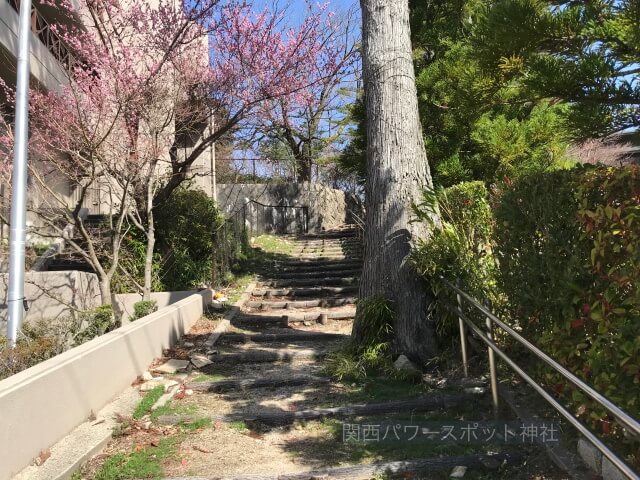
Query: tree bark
point(397, 172)
point(148, 262)
point(105, 290)
point(150, 233)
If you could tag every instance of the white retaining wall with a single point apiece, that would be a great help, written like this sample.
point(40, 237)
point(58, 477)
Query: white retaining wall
point(41, 405)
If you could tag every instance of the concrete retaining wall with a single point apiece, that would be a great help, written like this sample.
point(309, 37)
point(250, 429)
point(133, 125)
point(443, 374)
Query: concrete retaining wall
point(53, 295)
point(41, 405)
point(327, 206)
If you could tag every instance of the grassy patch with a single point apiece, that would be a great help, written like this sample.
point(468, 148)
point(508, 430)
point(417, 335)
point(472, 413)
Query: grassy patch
point(145, 463)
point(196, 424)
point(238, 426)
point(273, 244)
point(238, 285)
point(172, 408)
point(148, 401)
point(208, 378)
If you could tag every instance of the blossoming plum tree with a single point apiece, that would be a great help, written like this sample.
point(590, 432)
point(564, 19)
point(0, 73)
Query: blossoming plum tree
point(146, 77)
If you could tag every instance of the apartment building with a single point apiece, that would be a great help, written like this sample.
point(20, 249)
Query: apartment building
point(49, 62)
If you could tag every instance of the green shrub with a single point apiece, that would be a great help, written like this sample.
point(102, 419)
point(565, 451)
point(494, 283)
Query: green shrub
point(568, 245)
point(130, 274)
point(562, 265)
point(375, 321)
point(94, 323)
point(36, 343)
point(459, 249)
point(356, 363)
point(185, 233)
point(540, 248)
point(372, 354)
point(143, 308)
point(44, 339)
point(601, 340)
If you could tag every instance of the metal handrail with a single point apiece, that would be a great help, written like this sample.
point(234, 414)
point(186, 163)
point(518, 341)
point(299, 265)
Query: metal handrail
point(274, 206)
point(359, 223)
point(623, 417)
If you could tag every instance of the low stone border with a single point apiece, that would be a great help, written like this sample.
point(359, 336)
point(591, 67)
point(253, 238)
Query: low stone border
point(568, 461)
point(598, 462)
point(42, 404)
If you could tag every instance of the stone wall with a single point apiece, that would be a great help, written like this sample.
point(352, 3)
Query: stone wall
point(327, 207)
point(53, 295)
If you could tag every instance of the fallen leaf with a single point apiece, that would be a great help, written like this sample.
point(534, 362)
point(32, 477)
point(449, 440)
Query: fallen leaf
point(43, 456)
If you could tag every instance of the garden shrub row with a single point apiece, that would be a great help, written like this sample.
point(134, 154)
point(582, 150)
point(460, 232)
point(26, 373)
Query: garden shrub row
point(558, 254)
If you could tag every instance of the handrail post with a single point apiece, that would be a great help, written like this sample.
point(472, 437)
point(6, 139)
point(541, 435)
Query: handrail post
point(492, 364)
point(463, 336)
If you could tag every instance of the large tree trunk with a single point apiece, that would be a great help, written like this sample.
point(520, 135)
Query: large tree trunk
point(397, 171)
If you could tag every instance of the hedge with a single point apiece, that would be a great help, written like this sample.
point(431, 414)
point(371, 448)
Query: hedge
point(566, 250)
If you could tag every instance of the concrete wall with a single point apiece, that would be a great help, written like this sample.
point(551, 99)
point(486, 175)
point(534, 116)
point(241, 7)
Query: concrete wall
point(53, 295)
point(123, 303)
point(327, 206)
point(41, 405)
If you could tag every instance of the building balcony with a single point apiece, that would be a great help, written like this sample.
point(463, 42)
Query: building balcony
point(50, 58)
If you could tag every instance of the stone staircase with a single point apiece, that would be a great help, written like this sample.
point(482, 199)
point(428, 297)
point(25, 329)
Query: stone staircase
point(269, 410)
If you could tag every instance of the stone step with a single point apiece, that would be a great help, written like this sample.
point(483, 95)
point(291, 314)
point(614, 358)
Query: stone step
point(317, 247)
point(310, 282)
point(326, 258)
point(297, 304)
point(303, 292)
point(300, 336)
point(285, 320)
point(280, 418)
point(267, 356)
point(415, 468)
point(326, 252)
point(324, 246)
point(329, 234)
point(307, 266)
point(424, 404)
point(254, 383)
point(351, 272)
point(330, 241)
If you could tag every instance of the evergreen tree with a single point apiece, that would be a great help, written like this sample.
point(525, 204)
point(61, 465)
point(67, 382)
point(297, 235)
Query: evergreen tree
point(585, 54)
point(475, 124)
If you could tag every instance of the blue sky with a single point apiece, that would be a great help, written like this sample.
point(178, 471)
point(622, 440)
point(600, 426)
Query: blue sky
point(297, 6)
